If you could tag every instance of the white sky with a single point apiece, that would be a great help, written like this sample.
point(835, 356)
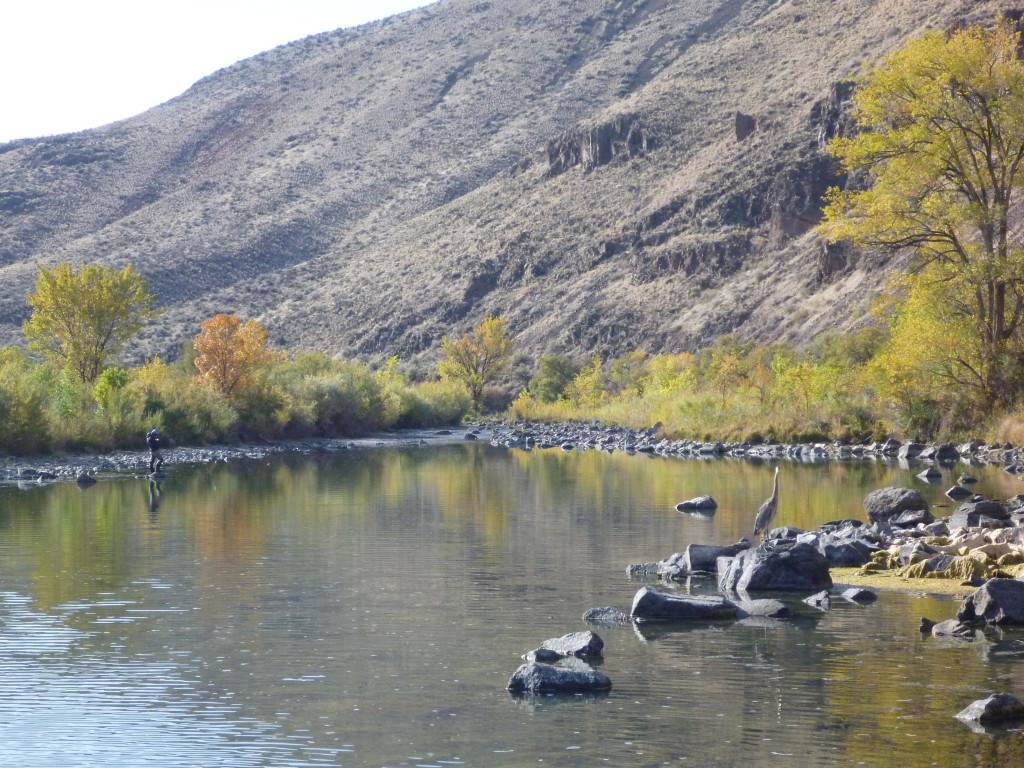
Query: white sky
point(68, 65)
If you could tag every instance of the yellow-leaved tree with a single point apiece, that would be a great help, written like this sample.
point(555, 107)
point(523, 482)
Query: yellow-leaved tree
point(477, 358)
point(231, 353)
point(81, 319)
point(942, 144)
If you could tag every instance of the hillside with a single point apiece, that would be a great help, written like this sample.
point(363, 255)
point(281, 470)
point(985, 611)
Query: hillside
point(606, 173)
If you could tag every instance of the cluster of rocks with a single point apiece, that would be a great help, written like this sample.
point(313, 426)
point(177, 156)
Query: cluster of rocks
point(562, 665)
point(84, 469)
point(981, 539)
point(996, 603)
point(599, 436)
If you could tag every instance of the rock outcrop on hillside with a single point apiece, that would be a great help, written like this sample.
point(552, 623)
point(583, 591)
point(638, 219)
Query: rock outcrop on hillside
point(605, 173)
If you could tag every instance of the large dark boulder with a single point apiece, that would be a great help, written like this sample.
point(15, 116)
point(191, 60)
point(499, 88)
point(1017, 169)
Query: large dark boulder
point(547, 678)
point(997, 601)
point(973, 514)
point(651, 604)
point(845, 555)
point(912, 518)
point(847, 543)
point(800, 567)
point(998, 707)
point(910, 450)
point(885, 503)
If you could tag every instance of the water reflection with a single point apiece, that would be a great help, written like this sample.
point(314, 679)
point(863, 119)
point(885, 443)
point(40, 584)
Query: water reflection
point(368, 609)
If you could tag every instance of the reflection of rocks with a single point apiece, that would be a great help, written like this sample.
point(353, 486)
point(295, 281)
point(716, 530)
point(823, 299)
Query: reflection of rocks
point(548, 678)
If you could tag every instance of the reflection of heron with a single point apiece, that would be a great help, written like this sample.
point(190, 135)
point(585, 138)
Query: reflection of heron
point(766, 513)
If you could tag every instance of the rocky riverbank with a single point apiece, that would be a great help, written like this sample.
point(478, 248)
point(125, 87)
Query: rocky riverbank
point(596, 435)
point(44, 469)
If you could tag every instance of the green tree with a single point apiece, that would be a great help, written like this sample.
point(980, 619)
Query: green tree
point(630, 372)
point(943, 143)
point(554, 373)
point(83, 318)
point(477, 358)
point(589, 388)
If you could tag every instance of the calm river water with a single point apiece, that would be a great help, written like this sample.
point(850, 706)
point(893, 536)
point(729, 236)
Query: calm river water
point(367, 609)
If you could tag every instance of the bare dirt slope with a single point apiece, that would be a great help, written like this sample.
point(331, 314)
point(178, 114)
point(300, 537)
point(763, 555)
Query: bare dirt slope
point(606, 173)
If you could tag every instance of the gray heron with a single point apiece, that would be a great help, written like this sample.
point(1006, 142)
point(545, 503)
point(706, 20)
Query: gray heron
point(766, 513)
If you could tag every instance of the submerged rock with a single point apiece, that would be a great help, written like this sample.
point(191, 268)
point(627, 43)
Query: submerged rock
point(860, 595)
point(547, 678)
point(606, 616)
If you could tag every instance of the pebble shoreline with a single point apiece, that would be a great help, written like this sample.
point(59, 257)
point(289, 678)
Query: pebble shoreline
point(43, 469)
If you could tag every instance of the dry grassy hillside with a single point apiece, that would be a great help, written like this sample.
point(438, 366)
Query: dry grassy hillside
point(606, 173)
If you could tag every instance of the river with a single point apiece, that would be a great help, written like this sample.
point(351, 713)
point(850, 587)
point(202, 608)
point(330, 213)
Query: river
point(366, 608)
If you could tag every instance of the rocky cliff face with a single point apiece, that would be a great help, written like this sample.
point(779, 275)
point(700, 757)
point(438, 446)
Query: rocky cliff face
point(605, 173)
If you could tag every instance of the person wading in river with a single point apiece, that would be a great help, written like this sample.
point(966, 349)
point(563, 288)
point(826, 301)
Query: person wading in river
point(156, 459)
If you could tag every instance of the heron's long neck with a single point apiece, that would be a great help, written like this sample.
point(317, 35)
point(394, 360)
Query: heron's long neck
point(775, 486)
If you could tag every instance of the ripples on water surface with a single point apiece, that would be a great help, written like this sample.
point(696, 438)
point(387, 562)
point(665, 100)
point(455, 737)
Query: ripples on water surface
point(367, 610)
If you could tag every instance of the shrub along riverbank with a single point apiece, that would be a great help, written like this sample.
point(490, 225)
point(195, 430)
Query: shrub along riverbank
point(46, 410)
point(854, 386)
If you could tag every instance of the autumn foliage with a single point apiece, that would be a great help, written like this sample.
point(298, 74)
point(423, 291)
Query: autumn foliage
point(231, 353)
point(942, 143)
point(83, 318)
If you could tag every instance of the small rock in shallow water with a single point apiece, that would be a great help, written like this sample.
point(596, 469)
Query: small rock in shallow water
point(820, 600)
point(860, 595)
point(701, 503)
point(547, 678)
